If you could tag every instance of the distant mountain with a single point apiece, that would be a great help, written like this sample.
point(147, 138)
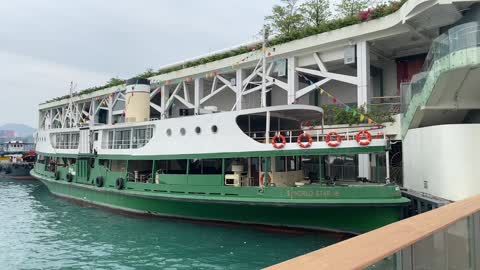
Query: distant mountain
point(21, 130)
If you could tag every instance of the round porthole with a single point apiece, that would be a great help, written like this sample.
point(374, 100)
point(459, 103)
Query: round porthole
point(182, 131)
point(214, 129)
point(198, 130)
point(169, 132)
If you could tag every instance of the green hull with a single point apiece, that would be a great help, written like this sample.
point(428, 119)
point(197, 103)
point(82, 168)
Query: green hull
point(342, 215)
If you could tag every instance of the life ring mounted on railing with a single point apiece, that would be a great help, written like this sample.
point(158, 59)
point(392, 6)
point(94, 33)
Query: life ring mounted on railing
point(262, 179)
point(333, 143)
point(303, 144)
point(363, 137)
point(281, 144)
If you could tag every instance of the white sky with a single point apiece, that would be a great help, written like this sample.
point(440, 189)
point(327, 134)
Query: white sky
point(46, 44)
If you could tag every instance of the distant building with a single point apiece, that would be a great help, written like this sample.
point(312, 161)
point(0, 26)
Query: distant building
point(7, 134)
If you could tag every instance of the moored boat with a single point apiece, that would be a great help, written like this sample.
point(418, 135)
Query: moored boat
point(16, 160)
point(255, 166)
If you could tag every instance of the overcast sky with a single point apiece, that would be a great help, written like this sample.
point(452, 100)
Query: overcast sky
point(45, 44)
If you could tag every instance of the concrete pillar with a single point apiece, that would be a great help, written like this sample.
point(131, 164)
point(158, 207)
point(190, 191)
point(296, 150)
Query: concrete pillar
point(292, 80)
point(93, 115)
point(239, 88)
point(165, 95)
point(363, 74)
point(363, 97)
point(198, 94)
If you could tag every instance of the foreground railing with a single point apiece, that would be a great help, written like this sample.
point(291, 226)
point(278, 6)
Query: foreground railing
point(444, 238)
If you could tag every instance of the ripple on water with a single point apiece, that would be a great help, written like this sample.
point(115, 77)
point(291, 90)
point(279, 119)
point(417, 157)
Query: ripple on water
point(40, 231)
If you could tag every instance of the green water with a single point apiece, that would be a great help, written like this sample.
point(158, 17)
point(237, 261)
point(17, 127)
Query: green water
point(40, 231)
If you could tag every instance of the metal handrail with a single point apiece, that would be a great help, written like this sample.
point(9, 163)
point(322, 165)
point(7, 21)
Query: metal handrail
point(318, 134)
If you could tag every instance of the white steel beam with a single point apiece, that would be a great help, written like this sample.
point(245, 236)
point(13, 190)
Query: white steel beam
point(156, 107)
point(334, 76)
point(311, 87)
point(164, 98)
point(292, 86)
point(213, 94)
point(186, 103)
point(227, 83)
point(170, 99)
point(198, 92)
point(239, 86)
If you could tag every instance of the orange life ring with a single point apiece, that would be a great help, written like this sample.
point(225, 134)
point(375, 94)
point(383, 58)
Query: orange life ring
point(363, 137)
point(281, 144)
point(263, 178)
point(306, 144)
point(335, 143)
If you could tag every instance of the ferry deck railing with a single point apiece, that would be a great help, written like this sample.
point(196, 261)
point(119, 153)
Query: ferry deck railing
point(447, 237)
point(346, 133)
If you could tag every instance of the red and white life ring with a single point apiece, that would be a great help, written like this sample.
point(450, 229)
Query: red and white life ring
point(363, 137)
point(281, 144)
point(303, 144)
point(262, 178)
point(336, 142)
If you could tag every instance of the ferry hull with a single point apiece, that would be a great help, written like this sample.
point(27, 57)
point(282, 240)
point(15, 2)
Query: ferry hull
point(339, 217)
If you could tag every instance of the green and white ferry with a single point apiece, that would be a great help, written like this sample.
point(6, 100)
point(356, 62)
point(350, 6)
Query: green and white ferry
point(257, 166)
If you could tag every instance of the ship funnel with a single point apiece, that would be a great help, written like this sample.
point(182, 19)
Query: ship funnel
point(137, 100)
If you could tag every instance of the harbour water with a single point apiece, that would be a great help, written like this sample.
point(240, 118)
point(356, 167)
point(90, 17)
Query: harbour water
point(40, 231)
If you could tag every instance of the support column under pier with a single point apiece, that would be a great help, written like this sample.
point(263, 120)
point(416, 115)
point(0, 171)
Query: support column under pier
point(363, 97)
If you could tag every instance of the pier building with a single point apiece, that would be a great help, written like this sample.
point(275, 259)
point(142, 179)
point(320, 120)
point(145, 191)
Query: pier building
point(419, 65)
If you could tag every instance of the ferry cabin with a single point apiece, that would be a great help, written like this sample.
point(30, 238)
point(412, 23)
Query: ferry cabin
point(227, 149)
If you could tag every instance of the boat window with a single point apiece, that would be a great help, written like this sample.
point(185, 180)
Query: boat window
point(169, 132)
point(65, 140)
point(122, 139)
point(182, 131)
point(198, 130)
point(136, 137)
point(118, 165)
point(205, 166)
point(214, 129)
point(291, 163)
point(60, 162)
point(140, 171)
point(105, 163)
point(141, 136)
point(71, 161)
point(96, 136)
point(178, 166)
point(280, 164)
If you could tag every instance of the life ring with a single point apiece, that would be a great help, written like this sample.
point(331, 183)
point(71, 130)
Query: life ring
point(262, 178)
point(281, 144)
point(334, 143)
point(99, 181)
point(306, 144)
point(120, 183)
point(363, 137)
